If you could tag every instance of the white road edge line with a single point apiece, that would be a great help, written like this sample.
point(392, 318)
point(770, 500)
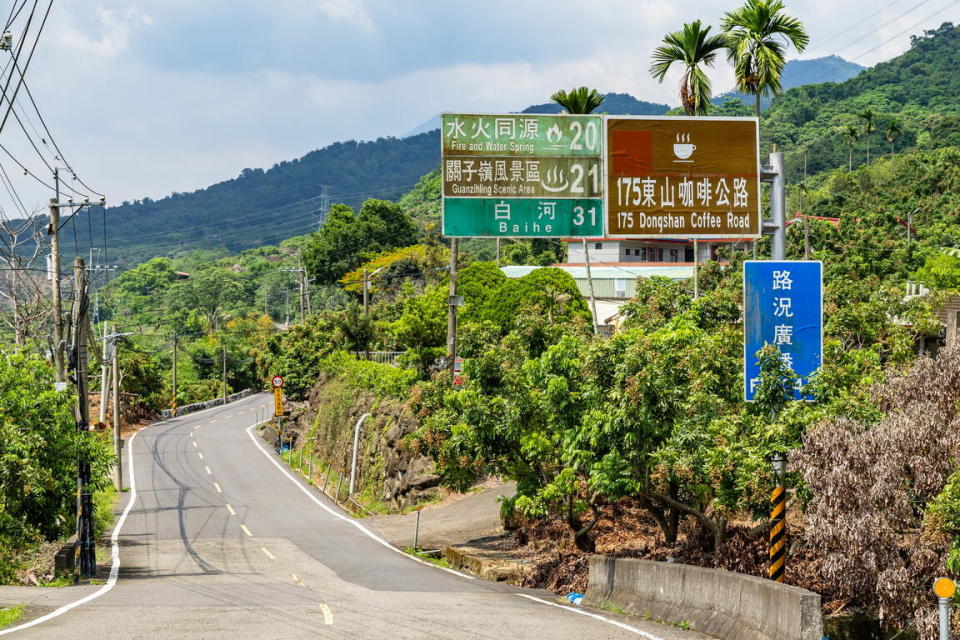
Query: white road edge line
point(114, 543)
point(625, 627)
point(359, 526)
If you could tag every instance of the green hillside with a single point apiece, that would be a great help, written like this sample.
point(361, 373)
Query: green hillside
point(918, 89)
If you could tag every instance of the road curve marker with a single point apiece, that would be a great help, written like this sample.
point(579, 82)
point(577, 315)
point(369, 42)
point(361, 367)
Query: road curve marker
point(340, 516)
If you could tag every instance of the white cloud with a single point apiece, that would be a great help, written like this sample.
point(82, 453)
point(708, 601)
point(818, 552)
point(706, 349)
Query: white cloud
point(116, 28)
point(352, 12)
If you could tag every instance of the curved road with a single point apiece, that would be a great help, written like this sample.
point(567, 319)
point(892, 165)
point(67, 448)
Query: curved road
point(223, 543)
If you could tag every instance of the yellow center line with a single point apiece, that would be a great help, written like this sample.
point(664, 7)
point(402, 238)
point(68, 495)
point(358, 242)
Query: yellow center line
point(267, 553)
point(200, 454)
point(246, 531)
point(230, 509)
point(194, 442)
point(217, 487)
point(212, 421)
point(208, 470)
point(327, 614)
point(297, 580)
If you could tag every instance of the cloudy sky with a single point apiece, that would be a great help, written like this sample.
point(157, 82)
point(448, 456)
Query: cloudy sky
point(146, 97)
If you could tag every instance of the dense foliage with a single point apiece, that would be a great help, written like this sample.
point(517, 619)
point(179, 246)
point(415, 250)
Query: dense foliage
point(39, 445)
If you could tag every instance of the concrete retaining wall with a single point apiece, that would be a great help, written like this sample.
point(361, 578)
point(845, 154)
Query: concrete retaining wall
point(199, 406)
point(722, 604)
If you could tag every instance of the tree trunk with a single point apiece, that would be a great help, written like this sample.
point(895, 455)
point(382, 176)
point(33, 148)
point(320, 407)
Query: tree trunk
point(758, 101)
point(581, 532)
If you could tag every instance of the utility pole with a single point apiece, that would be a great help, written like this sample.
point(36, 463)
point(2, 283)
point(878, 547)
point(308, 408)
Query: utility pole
point(117, 441)
point(53, 232)
point(224, 374)
point(366, 294)
point(173, 405)
point(593, 299)
point(104, 378)
point(454, 302)
point(776, 224)
point(696, 268)
point(88, 559)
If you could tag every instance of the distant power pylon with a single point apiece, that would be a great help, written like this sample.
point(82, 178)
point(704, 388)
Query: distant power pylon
point(323, 206)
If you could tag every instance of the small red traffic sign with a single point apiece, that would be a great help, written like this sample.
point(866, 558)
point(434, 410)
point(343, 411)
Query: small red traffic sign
point(277, 382)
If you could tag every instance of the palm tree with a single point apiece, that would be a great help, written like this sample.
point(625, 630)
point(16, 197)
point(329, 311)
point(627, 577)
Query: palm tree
point(850, 135)
point(868, 127)
point(580, 100)
point(691, 47)
point(894, 131)
point(756, 35)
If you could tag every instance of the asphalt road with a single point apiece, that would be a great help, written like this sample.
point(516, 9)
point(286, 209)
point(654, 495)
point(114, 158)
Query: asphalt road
point(221, 542)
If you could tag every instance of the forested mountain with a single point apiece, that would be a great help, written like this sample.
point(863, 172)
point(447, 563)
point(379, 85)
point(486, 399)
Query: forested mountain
point(618, 103)
point(910, 100)
point(797, 73)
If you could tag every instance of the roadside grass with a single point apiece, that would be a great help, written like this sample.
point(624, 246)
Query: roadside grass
point(612, 608)
point(104, 505)
point(61, 580)
point(438, 562)
point(9, 615)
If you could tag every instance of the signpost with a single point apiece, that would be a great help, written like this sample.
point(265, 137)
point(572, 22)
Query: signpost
point(783, 306)
point(682, 176)
point(277, 383)
point(522, 176)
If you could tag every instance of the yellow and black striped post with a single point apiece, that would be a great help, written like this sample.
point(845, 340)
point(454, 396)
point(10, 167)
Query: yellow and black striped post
point(778, 507)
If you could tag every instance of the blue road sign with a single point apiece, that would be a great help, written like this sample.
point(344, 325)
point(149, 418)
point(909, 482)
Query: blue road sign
point(783, 306)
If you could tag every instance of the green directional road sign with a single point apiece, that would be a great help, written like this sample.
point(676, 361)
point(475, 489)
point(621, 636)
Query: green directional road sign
point(522, 175)
point(523, 217)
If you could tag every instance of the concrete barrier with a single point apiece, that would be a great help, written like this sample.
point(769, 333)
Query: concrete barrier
point(722, 604)
point(200, 406)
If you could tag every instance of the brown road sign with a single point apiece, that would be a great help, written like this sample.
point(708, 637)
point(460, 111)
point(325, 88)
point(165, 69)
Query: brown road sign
point(683, 176)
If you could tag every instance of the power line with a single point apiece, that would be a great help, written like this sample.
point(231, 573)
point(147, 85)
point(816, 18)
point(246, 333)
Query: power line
point(911, 28)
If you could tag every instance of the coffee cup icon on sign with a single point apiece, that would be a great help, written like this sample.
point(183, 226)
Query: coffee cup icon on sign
point(683, 149)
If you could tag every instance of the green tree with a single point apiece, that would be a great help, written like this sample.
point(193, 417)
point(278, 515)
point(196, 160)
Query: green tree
point(39, 444)
point(850, 137)
point(345, 239)
point(692, 47)
point(894, 130)
point(756, 35)
point(869, 126)
point(578, 100)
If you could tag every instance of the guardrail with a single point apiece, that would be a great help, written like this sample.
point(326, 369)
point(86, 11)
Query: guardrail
point(721, 604)
point(200, 406)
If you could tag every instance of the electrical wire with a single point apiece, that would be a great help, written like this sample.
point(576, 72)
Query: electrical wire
point(911, 28)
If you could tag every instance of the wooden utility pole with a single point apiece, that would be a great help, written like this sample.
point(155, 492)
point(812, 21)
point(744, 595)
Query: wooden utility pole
point(173, 405)
point(593, 299)
point(117, 440)
point(452, 311)
point(85, 536)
